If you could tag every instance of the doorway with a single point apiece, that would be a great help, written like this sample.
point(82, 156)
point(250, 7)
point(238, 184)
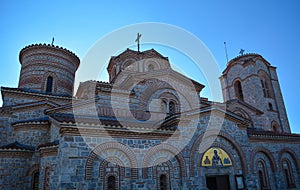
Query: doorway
point(219, 182)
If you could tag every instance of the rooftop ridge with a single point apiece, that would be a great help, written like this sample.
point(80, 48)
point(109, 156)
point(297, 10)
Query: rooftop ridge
point(244, 55)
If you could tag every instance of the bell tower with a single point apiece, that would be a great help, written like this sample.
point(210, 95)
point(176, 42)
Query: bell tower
point(48, 69)
point(249, 82)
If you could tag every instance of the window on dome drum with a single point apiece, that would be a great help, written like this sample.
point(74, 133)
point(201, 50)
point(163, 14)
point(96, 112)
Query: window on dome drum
point(168, 107)
point(111, 183)
point(290, 183)
point(35, 180)
point(238, 90)
point(163, 184)
point(49, 84)
point(172, 107)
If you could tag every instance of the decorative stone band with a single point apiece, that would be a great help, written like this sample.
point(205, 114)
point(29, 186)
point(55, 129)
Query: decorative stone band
point(49, 46)
point(16, 153)
point(16, 150)
point(263, 136)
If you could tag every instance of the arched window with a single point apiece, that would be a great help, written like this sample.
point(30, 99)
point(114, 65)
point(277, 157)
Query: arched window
point(288, 174)
point(150, 67)
point(238, 90)
point(111, 183)
point(172, 107)
point(262, 175)
point(265, 87)
point(275, 127)
point(261, 179)
point(49, 84)
point(164, 106)
point(265, 84)
point(271, 107)
point(163, 183)
point(169, 103)
point(35, 180)
point(110, 173)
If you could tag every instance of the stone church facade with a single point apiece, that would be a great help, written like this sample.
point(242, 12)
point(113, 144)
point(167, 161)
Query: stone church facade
point(147, 128)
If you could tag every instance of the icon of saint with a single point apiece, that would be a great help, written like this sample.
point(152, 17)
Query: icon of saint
point(216, 159)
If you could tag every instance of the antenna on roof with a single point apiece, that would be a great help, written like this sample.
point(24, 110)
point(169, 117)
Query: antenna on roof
point(52, 41)
point(226, 52)
point(138, 40)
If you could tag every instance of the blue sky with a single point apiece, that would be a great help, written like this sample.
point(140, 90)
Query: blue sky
point(270, 28)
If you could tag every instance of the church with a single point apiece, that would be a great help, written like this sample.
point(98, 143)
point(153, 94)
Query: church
point(147, 128)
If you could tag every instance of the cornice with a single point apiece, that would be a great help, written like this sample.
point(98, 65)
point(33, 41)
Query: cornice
point(15, 153)
point(270, 136)
point(117, 132)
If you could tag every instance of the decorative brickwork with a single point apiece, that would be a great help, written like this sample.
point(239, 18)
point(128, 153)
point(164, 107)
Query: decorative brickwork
point(41, 61)
point(268, 154)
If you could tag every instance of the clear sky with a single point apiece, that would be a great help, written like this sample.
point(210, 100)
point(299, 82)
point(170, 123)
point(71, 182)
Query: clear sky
point(270, 28)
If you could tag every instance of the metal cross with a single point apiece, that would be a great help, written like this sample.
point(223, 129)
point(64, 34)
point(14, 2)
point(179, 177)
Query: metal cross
point(138, 40)
point(242, 52)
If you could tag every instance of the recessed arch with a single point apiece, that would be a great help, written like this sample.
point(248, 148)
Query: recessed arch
point(34, 173)
point(241, 112)
point(268, 154)
point(288, 173)
point(121, 148)
point(293, 156)
point(262, 173)
point(32, 169)
point(196, 156)
point(157, 151)
point(129, 64)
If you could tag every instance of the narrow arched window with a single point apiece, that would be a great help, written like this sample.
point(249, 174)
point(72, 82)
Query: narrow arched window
point(265, 88)
point(172, 107)
point(163, 183)
point(49, 84)
point(271, 107)
point(261, 179)
point(266, 84)
point(288, 174)
point(111, 183)
point(238, 90)
point(275, 127)
point(35, 180)
point(262, 175)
